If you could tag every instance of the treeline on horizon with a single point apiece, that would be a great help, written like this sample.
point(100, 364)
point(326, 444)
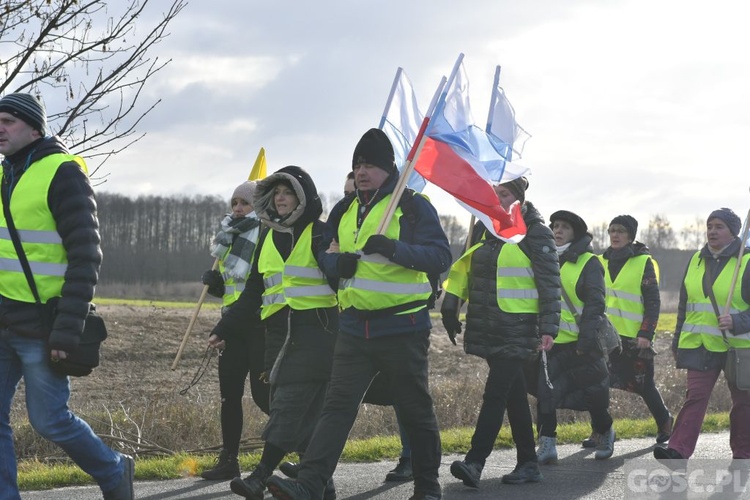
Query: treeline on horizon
point(157, 239)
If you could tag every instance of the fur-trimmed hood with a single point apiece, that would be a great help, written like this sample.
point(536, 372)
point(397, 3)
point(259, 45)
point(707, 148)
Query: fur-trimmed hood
point(310, 206)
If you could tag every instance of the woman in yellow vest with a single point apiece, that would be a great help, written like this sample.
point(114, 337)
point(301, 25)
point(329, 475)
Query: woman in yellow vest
point(234, 246)
point(513, 310)
point(698, 343)
point(300, 313)
point(633, 305)
point(577, 366)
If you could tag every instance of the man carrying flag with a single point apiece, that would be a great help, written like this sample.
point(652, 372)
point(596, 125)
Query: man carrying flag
point(384, 325)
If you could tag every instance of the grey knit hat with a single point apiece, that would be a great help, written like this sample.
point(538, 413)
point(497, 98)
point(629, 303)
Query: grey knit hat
point(244, 191)
point(730, 218)
point(26, 107)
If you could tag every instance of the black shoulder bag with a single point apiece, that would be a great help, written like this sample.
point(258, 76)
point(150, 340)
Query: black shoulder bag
point(85, 357)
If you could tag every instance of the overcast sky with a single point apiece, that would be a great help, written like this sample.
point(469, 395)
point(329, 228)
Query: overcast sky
point(634, 106)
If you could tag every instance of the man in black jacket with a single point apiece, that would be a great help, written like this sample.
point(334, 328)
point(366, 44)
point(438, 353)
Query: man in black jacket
point(47, 193)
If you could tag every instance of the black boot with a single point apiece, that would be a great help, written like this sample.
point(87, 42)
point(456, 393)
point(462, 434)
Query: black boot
point(402, 471)
point(330, 492)
point(253, 485)
point(226, 467)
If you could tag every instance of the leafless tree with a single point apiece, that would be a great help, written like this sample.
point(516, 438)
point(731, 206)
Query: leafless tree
point(600, 240)
point(694, 234)
point(89, 58)
point(659, 233)
point(454, 230)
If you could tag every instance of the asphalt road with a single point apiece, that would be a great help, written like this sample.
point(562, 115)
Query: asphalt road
point(576, 476)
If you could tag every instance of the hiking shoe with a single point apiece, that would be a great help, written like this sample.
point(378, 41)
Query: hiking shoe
point(592, 441)
point(289, 469)
point(468, 472)
point(287, 489)
point(402, 471)
point(606, 446)
point(527, 472)
point(425, 496)
point(253, 485)
point(225, 467)
point(547, 452)
point(671, 459)
point(124, 490)
point(665, 430)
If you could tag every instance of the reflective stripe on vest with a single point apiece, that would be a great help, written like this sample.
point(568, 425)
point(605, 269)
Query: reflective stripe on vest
point(570, 273)
point(624, 300)
point(377, 283)
point(232, 287)
point(37, 230)
point(298, 282)
point(701, 326)
point(516, 288)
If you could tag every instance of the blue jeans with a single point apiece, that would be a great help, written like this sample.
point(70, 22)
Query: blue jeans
point(47, 397)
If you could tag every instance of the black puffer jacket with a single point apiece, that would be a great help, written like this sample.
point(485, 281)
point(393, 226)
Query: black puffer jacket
point(72, 203)
point(309, 353)
point(491, 331)
point(700, 358)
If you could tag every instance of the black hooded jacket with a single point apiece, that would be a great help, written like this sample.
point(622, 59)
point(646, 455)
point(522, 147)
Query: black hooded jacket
point(309, 354)
point(73, 205)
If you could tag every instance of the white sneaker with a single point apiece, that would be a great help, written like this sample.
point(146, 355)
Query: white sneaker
point(547, 452)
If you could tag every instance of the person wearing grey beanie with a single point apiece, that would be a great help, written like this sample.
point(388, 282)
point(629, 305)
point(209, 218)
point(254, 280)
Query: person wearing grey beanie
point(707, 336)
point(46, 192)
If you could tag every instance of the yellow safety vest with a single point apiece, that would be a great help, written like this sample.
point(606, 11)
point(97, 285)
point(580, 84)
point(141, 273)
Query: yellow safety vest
point(701, 326)
point(37, 230)
point(624, 300)
point(570, 272)
point(232, 287)
point(298, 282)
point(516, 288)
point(378, 283)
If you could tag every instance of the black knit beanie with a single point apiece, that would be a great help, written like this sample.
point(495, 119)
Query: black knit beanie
point(630, 224)
point(730, 218)
point(579, 225)
point(375, 148)
point(518, 187)
point(28, 108)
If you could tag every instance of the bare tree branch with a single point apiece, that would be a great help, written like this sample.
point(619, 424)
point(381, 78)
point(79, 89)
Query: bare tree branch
point(89, 62)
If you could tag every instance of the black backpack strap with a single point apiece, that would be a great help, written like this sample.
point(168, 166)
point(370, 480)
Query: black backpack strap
point(17, 244)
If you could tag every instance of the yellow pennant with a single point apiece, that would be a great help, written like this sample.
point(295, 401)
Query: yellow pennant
point(259, 169)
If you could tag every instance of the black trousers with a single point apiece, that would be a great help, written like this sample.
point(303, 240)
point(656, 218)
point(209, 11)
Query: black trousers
point(505, 389)
point(240, 357)
point(356, 361)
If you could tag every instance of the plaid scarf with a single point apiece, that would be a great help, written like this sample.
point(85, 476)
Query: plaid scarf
point(238, 236)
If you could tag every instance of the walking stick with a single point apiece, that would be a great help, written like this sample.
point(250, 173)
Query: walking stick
point(192, 320)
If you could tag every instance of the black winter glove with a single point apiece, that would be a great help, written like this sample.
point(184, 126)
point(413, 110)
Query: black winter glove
point(378, 243)
point(215, 282)
point(451, 323)
point(346, 265)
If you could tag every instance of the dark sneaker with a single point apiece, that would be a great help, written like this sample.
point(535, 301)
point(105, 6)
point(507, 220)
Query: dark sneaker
point(665, 430)
point(592, 441)
point(606, 446)
point(253, 485)
point(287, 489)
point(289, 469)
point(330, 492)
point(524, 473)
point(402, 471)
point(425, 496)
point(226, 467)
point(468, 472)
point(124, 490)
point(671, 459)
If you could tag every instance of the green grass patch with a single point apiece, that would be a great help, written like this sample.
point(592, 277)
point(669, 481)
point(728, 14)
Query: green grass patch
point(166, 304)
point(35, 475)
